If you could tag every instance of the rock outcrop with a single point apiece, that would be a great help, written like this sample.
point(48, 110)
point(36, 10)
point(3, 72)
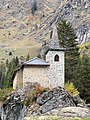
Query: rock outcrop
point(66, 113)
point(57, 102)
point(13, 108)
point(55, 98)
point(75, 112)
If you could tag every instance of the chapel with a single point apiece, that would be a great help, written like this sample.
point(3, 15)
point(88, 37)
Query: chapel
point(48, 71)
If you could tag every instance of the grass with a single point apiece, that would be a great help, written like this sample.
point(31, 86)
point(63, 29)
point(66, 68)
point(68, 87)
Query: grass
point(20, 48)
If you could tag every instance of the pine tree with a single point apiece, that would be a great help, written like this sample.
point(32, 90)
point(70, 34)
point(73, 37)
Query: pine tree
point(67, 39)
point(11, 68)
point(2, 74)
point(10, 71)
point(17, 61)
point(66, 35)
point(7, 62)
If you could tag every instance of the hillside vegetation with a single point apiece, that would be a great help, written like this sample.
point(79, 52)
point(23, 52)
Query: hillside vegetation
point(85, 48)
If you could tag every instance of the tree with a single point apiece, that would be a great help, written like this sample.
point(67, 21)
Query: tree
point(11, 68)
point(7, 62)
point(10, 71)
point(10, 53)
point(2, 74)
point(67, 39)
point(66, 35)
point(83, 81)
point(16, 61)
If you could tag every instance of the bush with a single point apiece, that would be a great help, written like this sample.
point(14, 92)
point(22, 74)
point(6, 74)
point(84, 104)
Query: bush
point(30, 99)
point(32, 95)
point(39, 90)
point(10, 53)
point(4, 93)
point(70, 88)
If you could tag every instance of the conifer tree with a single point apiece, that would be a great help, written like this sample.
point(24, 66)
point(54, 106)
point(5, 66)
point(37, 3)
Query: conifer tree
point(67, 39)
point(2, 74)
point(17, 61)
point(7, 62)
point(11, 68)
point(83, 81)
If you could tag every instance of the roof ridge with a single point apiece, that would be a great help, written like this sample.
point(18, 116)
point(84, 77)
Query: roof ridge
point(30, 60)
point(36, 61)
point(42, 60)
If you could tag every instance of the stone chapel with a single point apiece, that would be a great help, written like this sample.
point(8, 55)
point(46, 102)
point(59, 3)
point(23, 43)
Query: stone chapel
point(48, 72)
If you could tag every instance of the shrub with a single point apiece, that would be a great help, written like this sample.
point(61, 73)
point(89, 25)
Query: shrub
point(70, 88)
point(32, 95)
point(10, 53)
point(30, 99)
point(4, 93)
point(39, 90)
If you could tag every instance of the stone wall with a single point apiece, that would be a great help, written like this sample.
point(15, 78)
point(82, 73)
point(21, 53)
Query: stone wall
point(56, 70)
point(38, 74)
point(18, 79)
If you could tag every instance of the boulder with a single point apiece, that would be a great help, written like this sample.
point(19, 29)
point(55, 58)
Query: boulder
point(78, 101)
point(13, 108)
point(75, 112)
point(66, 113)
point(55, 98)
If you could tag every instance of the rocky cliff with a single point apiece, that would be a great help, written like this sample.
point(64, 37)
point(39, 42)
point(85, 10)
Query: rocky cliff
point(22, 32)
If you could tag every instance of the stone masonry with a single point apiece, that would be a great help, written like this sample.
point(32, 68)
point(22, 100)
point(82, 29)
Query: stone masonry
point(18, 80)
point(56, 70)
point(38, 74)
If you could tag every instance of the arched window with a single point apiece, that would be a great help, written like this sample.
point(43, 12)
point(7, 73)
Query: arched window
point(56, 58)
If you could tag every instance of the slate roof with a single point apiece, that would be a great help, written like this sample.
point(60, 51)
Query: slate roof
point(36, 61)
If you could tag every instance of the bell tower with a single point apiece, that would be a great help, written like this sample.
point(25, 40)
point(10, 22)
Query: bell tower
point(55, 57)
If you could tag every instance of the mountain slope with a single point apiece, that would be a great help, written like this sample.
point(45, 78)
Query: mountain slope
point(21, 32)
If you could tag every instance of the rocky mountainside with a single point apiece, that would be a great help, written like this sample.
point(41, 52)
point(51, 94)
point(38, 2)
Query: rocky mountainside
point(22, 32)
